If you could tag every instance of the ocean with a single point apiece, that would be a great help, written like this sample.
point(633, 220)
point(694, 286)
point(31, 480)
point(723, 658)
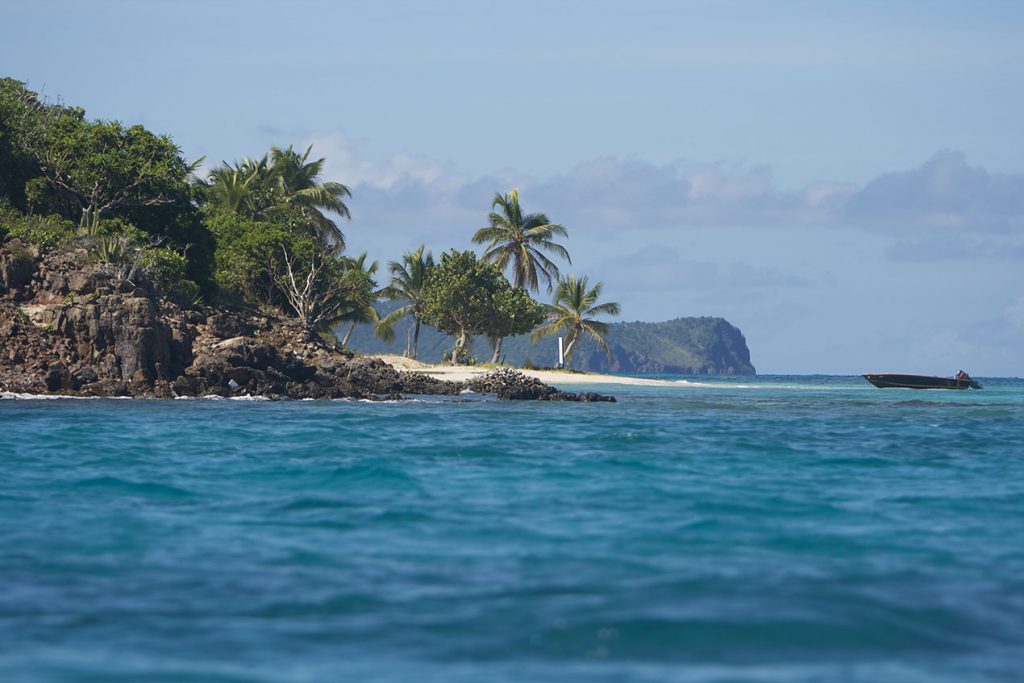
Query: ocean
point(719, 529)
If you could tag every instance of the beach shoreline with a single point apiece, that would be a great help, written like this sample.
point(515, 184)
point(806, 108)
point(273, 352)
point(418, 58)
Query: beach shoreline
point(462, 373)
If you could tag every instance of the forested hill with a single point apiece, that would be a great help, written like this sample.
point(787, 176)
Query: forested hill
point(695, 346)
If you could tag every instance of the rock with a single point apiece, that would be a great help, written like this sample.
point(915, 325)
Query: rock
point(83, 376)
point(129, 328)
point(17, 265)
point(225, 326)
point(56, 377)
point(512, 385)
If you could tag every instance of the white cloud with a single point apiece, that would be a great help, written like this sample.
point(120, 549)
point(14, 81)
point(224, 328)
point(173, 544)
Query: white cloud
point(610, 194)
point(945, 193)
point(1014, 314)
point(348, 161)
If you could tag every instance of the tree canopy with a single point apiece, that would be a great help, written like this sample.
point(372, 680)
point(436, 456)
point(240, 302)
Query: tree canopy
point(574, 311)
point(520, 239)
point(465, 296)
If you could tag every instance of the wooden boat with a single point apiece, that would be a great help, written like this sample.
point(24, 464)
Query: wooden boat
point(887, 380)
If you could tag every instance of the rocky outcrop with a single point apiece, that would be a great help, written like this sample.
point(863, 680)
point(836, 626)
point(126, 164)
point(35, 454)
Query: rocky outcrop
point(17, 266)
point(68, 329)
point(513, 385)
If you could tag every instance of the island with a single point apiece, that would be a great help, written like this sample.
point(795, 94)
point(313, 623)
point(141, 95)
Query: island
point(127, 270)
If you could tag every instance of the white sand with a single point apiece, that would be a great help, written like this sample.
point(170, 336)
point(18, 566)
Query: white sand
point(460, 373)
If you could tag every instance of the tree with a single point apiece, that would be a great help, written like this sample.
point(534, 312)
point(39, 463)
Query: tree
point(103, 166)
point(235, 190)
point(408, 283)
point(281, 187)
point(573, 312)
point(518, 240)
point(298, 186)
point(322, 291)
point(249, 257)
point(93, 170)
point(464, 296)
point(16, 166)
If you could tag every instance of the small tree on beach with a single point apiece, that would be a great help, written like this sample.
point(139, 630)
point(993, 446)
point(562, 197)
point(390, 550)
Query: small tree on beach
point(465, 296)
point(573, 312)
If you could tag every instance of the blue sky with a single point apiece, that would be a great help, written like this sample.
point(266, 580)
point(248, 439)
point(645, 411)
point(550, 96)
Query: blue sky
point(842, 181)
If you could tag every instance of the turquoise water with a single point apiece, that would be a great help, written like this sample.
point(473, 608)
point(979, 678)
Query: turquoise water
point(737, 529)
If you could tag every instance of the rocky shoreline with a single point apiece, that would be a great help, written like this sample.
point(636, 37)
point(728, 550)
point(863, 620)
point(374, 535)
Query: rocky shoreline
point(68, 329)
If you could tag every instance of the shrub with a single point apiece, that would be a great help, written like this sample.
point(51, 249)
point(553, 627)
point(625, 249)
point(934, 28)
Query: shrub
point(46, 232)
point(169, 270)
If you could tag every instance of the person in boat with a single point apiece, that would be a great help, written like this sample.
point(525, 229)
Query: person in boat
point(961, 375)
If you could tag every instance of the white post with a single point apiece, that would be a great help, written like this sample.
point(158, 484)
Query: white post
point(561, 354)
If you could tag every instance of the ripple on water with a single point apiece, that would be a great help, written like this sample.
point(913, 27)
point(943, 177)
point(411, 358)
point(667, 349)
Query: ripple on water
point(803, 529)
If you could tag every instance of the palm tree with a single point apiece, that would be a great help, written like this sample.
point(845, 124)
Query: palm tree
point(519, 240)
point(364, 293)
point(408, 280)
point(574, 310)
point(234, 189)
point(297, 185)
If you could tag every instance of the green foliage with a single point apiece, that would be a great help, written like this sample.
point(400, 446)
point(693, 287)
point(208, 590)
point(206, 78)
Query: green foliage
point(53, 159)
point(518, 239)
point(169, 270)
point(362, 293)
point(408, 282)
point(465, 296)
point(45, 232)
point(284, 188)
point(249, 259)
point(119, 255)
point(574, 311)
point(16, 166)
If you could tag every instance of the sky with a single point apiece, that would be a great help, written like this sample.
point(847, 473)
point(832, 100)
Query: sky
point(842, 181)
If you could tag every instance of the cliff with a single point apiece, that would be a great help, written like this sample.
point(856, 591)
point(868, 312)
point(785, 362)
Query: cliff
point(688, 346)
point(73, 329)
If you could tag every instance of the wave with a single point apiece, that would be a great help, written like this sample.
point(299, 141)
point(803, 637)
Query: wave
point(791, 387)
point(18, 396)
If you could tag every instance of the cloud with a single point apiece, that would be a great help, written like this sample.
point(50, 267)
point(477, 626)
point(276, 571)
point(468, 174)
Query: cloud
point(658, 268)
point(1014, 315)
point(948, 246)
point(935, 207)
point(945, 193)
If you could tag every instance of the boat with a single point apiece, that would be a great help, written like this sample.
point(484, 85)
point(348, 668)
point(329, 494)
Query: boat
point(887, 380)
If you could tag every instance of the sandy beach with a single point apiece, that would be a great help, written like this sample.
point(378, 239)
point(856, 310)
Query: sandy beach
point(556, 378)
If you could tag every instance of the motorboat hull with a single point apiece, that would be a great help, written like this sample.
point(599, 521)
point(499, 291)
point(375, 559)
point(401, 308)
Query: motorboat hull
point(888, 380)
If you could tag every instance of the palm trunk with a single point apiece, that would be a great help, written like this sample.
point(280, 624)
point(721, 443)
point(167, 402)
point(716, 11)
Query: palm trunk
point(415, 338)
point(568, 351)
point(497, 351)
point(408, 341)
point(344, 341)
point(459, 345)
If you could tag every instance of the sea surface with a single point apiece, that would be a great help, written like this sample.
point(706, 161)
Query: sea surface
point(718, 529)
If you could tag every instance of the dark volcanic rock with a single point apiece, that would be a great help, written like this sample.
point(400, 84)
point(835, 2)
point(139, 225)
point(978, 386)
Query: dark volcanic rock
point(17, 266)
point(512, 385)
point(226, 326)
